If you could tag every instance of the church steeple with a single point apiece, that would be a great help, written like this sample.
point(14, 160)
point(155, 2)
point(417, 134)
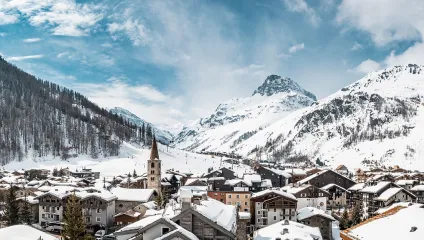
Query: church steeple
point(154, 168)
point(154, 154)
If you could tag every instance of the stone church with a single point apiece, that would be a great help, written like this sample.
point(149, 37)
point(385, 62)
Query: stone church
point(154, 169)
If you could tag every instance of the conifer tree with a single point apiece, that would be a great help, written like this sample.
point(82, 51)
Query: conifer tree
point(74, 227)
point(25, 214)
point(159, 201)
point(134, 174)
point(143, 134)
point(55, 172)
point(11, 211)
point(344, 221)
point(356, 215)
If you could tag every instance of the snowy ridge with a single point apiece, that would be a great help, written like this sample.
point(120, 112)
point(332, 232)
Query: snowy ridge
point(241, 118)
point(377, 120)
point(162, 136)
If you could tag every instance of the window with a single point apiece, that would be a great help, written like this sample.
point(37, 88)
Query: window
point(229, 195)
point(320, 194)
point(99, 210)
point(259, 212)
point(215, 194)
point(44, 207)
point(98, 219)
point(258, 219)
point(238, 196)
point(245, 203)
point(246, 196)
point(229, 203)
point(165, 230)
point(275, 210)
point(43, 215)
point(275, 217)
point(152, 172)
point(57, 208)
point(152, 164)
point(120, 205)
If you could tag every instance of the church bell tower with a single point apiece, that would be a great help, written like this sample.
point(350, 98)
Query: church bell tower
point(154, 169)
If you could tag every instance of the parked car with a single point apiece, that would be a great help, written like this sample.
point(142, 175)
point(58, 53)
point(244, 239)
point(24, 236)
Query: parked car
point(54, 226)
point(99, 234)
point(109, 237)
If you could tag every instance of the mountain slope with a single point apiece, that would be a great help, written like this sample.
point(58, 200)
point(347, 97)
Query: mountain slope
point(162, 136)
point(239, 119)
point(41, 119)
point(378, 120)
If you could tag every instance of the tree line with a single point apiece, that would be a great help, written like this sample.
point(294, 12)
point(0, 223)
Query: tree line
point(39, 118)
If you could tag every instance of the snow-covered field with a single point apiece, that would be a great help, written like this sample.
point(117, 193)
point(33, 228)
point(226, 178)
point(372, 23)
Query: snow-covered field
point(133, 158)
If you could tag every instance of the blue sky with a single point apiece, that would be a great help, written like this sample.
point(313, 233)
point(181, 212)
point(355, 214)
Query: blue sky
point(172, 61)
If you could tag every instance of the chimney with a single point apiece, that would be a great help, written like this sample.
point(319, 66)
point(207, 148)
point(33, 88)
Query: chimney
point(204, 197)
point(285, 231)
point(185, 197)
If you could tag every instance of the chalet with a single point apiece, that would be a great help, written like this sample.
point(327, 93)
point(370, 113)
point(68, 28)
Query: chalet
point(407, 184)
point(317, 218)
point(361, 176)
point(279, 178)
point(32, 204)
point(127, 199)
point(342, 169)
point(325, 177)
point(312, 171)
point(393, 195)
point(127, 218)
point(355, 193)
point(271, 206)
point(287, 230)
point(170, 183)
point(308, 196)
point(386, 177)
point(85, 173)
point(222, 172)
point(296, 174)
point(418, 191)
point(417, 176)
point(339, 196)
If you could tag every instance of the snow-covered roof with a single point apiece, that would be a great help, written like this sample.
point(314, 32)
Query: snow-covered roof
point(357, 187)
point(254, 178)
point(180, 230)
point(29, 199)
point(294, 190)
point(307, 179)
point(266, 183)
point(195, 190)
point(130, 213)
point(308, 212)
point(395, 226)
point(328, 186)
point(233, 182)
point(418, 188)
point(279, 172)
point(140, 223)
point(399, 204)
point(220, 213)
point(288, 230)
point(278, 192)
point(24, 232)
point(405, 182)
point(375, 188)
point(244, 215)
point(295, 171)
point(132, 195)
point(191, 180)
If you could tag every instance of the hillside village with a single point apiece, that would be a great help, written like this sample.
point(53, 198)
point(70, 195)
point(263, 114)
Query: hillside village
point(260, 200)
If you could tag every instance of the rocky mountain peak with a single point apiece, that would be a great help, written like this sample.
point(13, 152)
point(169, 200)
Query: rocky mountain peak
point(275, 84)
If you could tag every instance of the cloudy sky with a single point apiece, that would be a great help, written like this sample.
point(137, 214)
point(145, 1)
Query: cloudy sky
point(172, 61)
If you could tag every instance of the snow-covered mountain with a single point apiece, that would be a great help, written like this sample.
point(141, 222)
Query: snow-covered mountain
point(237, 120)
point(163, 136)
point(378, 120)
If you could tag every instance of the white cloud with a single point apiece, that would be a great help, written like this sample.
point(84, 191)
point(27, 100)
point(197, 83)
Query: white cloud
point(135, 31)
point(395, 21)
point(300, 6)
point(144, 100)
point(6, 18)
point(386, 21)
point(64, 17)
point(63, 54)
point(32, 40)
point(367, 66)
point(283, 56)
point(3, 34)
point(296, 47)
point(356, 46)
point(20, 58)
